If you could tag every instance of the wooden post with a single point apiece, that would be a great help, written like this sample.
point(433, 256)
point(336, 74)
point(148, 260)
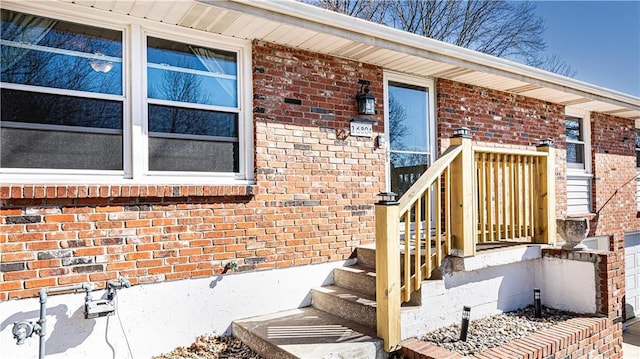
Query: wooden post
point(463, 222)
point(388, 272)
point(547, 196)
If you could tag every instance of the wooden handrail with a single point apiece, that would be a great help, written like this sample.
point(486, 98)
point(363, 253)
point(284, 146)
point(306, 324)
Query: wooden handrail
point(431, 174)
point(471, 194)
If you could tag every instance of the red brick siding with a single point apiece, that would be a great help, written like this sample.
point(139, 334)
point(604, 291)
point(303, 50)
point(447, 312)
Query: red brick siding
point(575, 338)
point(614, 170)
point(312, 202)
point(504, 118)
point(498, 117)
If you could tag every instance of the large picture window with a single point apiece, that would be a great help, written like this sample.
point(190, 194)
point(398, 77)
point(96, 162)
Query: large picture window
point(70, 103)
point(62, 99)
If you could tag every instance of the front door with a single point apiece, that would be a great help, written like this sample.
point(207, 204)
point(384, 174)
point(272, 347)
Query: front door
point(410, 129)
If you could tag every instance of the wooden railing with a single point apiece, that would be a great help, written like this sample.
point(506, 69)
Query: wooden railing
point(468, 196)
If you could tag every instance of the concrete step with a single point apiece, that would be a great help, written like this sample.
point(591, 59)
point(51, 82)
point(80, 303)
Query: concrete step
point(366, 255)
point(345, 303)
point(308, 333)
point(357, 277)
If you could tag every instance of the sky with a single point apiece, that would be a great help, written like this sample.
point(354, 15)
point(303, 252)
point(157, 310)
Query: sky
point(599, 39)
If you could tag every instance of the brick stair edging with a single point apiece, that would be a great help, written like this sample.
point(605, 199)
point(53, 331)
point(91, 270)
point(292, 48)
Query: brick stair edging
point(575, 338)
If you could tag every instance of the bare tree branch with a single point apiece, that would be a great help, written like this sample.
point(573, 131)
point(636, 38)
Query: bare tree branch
point(501, 28)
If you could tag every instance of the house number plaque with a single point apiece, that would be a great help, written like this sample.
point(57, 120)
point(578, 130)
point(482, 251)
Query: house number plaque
point(361, 127)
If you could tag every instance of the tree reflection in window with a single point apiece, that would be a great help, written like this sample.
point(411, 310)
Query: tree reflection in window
point(193, 105)
point(408, 135)
point(44, 125)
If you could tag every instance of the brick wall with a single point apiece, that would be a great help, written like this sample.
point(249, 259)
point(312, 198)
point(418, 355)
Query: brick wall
point(575, 338)
point(614, 185)
point(503, 118)
point(312, 201)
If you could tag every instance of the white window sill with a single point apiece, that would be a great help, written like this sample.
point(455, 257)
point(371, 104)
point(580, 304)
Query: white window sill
point(578, 173)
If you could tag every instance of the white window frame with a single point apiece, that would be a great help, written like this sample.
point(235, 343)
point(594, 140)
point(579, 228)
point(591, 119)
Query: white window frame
point(134, 99)
point(585, 120)
point(637, 134)
point(585, 173)
point(391, 76)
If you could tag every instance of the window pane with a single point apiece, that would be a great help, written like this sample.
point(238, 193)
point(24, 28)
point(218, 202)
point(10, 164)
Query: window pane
point(185, 121)
point(169, 154)
point(45, 52)
point(406, 168)
point(32, 148)
point(46, 109)
point(192, 74)
point(573, 129)
point(180, 150)
point(638, 150)
point(53, 131)
point(575, 154)
point(408, 118)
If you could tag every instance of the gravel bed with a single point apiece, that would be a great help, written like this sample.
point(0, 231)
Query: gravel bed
point(212, 347)
point(497, 330)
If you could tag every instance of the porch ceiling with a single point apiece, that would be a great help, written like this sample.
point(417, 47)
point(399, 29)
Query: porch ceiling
point(298, 25)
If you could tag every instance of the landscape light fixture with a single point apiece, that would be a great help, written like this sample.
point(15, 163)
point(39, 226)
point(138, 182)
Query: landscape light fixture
point(463, 132)
point(537, 303)
point(546, 142)
point(366, 101)
point(466, 315)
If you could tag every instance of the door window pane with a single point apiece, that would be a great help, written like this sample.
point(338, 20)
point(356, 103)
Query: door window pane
point(408, 113)
point(409, 138)
point(406, 168)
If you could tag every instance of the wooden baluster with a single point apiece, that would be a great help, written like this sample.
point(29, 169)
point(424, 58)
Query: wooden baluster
point(408, 288)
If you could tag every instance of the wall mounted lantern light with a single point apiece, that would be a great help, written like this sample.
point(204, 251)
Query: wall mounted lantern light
point(366, 101)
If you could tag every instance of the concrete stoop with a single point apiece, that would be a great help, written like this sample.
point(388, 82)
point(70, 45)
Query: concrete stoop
point(308, 333)
point(340, 324)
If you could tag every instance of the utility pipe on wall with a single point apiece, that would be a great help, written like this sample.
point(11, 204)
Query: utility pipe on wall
point(43, 310)
point(92, 309)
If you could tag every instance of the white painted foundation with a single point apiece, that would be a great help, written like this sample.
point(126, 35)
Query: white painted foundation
point(568, 285)
point(499, 281)
point(155, 318)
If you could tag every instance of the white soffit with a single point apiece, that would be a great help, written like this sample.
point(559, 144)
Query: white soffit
point(294, 24)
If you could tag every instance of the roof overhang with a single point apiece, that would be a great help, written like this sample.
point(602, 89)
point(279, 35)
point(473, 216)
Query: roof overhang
point(298, 25)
